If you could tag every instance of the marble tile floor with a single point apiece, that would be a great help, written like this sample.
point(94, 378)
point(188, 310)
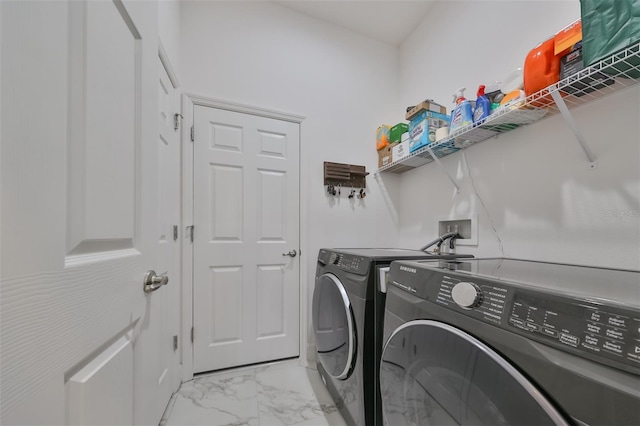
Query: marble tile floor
point(279, 394)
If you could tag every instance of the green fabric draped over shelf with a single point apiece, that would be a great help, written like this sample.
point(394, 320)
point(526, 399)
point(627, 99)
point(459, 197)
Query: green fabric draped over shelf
point(607, 28)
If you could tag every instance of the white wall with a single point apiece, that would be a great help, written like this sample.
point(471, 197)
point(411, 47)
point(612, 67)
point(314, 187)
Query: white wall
point(264, 55)
point(539, 194)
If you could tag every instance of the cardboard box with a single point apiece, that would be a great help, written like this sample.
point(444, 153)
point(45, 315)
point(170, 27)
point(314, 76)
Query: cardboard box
point(385, 155)
point(400, 151)
point(427, 105)
point(422, 129)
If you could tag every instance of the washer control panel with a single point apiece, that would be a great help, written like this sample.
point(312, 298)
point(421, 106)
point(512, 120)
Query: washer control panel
point(605, 331)
point(573, 324)
point(594, 328)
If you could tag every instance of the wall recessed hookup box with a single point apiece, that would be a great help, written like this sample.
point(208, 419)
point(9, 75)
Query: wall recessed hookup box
point(467, 228)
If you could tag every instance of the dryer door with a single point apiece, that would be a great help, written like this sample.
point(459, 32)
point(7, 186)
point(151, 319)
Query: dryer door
point(333, 326)
point(434, 374)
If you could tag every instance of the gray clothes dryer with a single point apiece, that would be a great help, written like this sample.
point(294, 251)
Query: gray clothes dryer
point(347, 313)
point(510, 342)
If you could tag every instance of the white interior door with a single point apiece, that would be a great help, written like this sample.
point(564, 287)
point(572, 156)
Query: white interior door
point(80, 212)
point(246, 217)
point(159, 338)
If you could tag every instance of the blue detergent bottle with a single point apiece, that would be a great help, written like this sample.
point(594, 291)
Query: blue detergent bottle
point(483, 106)
point(462, 114)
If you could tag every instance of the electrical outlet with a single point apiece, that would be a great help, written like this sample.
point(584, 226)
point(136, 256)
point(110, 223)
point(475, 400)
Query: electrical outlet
point(467, 228)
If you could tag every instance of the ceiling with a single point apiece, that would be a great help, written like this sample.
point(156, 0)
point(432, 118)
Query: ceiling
point(390, 21)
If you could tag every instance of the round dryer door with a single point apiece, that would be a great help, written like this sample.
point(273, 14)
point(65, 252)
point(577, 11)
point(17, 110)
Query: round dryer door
point(333, 326)
point(434, 374)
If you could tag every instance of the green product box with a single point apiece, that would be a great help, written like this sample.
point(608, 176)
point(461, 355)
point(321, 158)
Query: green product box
point(397, 131)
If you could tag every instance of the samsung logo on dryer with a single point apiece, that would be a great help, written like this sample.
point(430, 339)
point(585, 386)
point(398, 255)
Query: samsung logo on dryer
point(407, 269)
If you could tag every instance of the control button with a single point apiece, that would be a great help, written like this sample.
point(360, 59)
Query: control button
point(613, 347)
point(594, 316)
point(591, 340)
point(532, 326)
point(614, 334)
point(569, 339)
point(618, 321)
point(466, 295)
point(593, 328)
point(550, 332)
point(517, 322)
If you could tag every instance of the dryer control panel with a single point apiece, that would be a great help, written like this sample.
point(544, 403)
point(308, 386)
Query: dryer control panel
point(344, 261)
point(347, 262)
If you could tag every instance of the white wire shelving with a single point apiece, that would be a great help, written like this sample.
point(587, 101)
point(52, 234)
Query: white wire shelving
point(614, 73)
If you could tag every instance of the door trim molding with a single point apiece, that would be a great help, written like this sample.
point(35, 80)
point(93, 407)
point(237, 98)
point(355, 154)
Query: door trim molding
point(166, 62)
point(242, 108)
point(189, 101)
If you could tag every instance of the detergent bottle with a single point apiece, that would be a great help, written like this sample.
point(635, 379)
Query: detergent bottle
point(483, 106)
point(462, 114)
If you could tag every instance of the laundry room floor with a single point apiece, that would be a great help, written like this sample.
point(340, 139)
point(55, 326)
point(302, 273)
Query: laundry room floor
point(280, 394)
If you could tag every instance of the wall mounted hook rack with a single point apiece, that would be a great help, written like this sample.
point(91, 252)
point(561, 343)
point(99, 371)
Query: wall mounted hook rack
point(345, 175)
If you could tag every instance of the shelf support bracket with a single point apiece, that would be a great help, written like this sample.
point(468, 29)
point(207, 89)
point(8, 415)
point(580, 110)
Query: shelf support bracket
point(437, 160)
point(564, 110)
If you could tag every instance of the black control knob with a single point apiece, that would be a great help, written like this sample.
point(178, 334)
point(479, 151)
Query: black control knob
point(466, 295)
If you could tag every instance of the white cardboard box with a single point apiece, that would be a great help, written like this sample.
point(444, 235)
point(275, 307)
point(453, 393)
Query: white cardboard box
point(400, 151)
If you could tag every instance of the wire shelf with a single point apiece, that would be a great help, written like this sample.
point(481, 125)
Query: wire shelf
point(612, 74)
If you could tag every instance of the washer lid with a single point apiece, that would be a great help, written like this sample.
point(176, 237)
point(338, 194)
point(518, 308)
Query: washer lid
point(434, 374)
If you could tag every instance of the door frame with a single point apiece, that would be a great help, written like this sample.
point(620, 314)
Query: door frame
point(189, 101)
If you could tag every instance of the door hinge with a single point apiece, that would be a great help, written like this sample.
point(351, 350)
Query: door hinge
point(192, 136)
point(176, 120)
point(191, 230)
point(175, 343)
point(175, 232)
point(191, 334)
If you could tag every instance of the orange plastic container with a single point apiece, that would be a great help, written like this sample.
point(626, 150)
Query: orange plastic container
point(541, 67)
point(542, 64)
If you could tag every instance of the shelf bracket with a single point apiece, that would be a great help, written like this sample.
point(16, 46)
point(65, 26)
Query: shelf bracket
point(437, 160)
point(564, 110)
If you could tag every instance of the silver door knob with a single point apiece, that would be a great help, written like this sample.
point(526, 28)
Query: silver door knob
point(292, 253)
point(152, 282)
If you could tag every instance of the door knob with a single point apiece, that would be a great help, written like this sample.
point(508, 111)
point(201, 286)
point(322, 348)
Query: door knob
point(291, 253)
point(152, 282)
